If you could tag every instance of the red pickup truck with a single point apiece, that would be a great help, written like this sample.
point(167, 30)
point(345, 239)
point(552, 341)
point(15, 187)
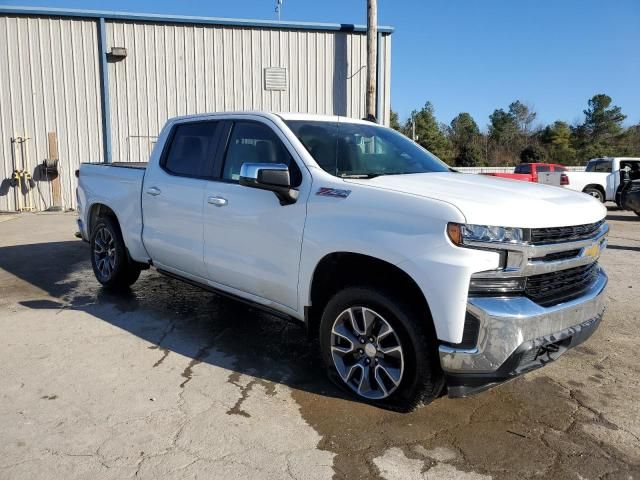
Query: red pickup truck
point(528, 172)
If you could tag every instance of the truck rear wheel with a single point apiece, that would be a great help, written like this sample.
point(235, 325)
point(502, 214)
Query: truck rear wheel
point(594, 192)
point(378, 348)
point(109, 258)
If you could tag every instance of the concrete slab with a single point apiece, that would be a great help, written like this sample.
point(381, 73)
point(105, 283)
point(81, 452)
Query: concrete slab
point(168, 381)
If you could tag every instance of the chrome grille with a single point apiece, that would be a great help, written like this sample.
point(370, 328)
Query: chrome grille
point(552, 257)
point(555, 287)
point(564, 234)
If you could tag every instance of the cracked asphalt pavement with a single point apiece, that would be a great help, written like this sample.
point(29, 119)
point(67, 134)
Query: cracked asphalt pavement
point(168, 381)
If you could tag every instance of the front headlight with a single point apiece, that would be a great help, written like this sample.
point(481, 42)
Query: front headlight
point(464, 234)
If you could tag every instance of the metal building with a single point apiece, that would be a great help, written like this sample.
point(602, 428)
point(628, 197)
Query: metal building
point(98, 86)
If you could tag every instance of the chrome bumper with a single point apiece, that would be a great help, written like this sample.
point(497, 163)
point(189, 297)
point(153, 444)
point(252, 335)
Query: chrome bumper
point(507, 324)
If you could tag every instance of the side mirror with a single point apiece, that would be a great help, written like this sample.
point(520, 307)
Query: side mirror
point(269, 176)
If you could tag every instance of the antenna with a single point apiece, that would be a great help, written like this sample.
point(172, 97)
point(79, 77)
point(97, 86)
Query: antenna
point(279, 7)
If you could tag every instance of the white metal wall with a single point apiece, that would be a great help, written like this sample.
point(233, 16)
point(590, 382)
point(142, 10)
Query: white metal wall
point(183, 69)
point(49, 82)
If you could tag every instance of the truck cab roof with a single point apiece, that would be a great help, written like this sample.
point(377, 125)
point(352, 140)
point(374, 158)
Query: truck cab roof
point(286, 116)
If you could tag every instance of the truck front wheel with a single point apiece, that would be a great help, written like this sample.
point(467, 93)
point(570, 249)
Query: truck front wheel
point(111, 264)
point(379, 349)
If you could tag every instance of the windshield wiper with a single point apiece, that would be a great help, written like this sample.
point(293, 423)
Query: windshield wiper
point(360, 175)
point(374, 175)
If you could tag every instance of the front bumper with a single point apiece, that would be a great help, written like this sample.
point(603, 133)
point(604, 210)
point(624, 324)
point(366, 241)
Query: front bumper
point(517, 335)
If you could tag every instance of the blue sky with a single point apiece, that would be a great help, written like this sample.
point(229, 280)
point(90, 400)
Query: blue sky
point(471, 55)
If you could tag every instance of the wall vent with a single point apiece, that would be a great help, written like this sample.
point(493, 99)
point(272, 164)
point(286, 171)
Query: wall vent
point(275, 78)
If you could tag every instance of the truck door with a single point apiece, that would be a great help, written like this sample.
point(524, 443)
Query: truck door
point(252, 243)
point(173, 197)
point(611, 180)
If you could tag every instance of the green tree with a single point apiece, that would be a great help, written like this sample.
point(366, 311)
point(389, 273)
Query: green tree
point(601, 133)
point(510, 132)
point(523, 116)
point(602, 121)
point(394, 121)
point(428, 132)
point(557, 139)
point(464, 135)
point(632, 141)
point(532, 154)
point(503, 138)
point(503, 128)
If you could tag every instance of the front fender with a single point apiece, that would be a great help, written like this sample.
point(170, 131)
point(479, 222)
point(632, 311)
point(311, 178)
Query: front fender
point(402, 229)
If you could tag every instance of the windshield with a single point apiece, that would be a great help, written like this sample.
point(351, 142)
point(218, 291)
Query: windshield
point(356, 150)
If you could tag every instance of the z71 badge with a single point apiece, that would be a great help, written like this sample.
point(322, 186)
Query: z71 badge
point(333, 192)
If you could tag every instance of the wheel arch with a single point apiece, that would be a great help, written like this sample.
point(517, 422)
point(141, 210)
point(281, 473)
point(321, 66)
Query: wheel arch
point(340, 269)
point(96, 211)
point(598, 187)
point(100, 210)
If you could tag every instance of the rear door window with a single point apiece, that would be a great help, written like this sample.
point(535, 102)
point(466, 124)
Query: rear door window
point(591, 166)
point(191, 150)
point(603, 166)
point(543, 168)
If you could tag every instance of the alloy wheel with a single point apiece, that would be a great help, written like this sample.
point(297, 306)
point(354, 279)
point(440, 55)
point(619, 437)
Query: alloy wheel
point(595, 194)
point(104, 252)
point(367, 353)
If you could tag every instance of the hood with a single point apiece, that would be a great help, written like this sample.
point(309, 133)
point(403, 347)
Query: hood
point(485, 200)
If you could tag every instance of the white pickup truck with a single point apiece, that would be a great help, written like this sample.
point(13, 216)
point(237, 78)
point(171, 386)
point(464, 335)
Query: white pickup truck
point(416, 279)
point(602, 177)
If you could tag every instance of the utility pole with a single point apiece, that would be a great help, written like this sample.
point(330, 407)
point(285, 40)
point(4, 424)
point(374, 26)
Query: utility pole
point(372, 57)
point(413, 127)
point(279, 7)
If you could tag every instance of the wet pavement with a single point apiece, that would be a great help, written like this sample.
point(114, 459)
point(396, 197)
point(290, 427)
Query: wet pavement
point(168, 381)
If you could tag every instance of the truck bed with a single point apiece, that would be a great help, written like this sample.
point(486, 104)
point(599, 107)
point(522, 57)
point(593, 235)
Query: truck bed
point(525, 177)
point(119, 186)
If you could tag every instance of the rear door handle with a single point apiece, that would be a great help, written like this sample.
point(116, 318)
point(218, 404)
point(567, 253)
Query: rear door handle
point(153, 191)
point(217, 201)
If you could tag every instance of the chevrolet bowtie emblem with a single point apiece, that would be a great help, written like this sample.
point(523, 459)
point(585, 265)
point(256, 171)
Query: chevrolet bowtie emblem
point(593, 251)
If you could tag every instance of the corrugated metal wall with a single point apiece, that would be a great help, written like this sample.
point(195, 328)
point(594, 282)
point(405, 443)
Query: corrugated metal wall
point(49, 82)
point(182, 69)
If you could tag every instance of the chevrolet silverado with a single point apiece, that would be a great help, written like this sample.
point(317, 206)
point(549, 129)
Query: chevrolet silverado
point(417, 280)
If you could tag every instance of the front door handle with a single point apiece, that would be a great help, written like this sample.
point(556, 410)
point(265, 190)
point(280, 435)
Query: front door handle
point(217, 201)
point(153, 191)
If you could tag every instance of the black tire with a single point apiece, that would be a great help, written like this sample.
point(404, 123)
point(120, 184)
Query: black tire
point(637, 213)
point(422, 379)
point(112, 267)
point(595, 193)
